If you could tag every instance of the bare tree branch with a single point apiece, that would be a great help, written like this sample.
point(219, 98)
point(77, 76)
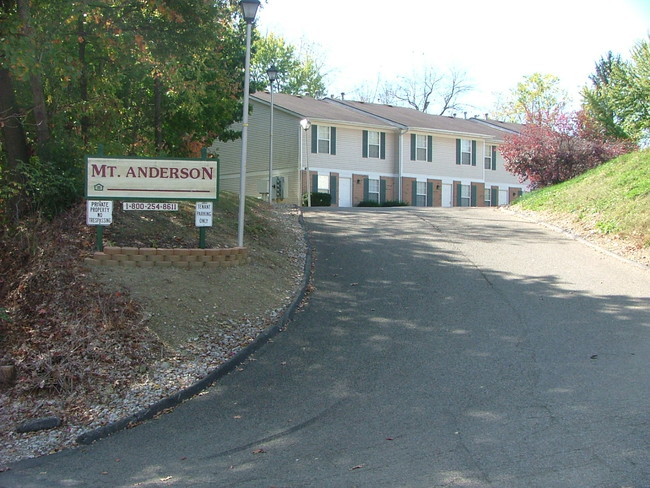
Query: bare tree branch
point(458, 85)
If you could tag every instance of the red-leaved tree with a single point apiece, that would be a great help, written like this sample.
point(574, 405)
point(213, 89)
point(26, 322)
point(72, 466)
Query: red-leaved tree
point(547, 154)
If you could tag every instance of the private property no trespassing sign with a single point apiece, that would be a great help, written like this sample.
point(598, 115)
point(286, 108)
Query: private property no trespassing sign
point(165, 179)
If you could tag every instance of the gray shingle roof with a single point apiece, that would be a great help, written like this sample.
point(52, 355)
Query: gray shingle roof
point(388, 116)
point(414, 119)
point(320, 110)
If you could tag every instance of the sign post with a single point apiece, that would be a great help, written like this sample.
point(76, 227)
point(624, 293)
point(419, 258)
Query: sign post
point(203, 219)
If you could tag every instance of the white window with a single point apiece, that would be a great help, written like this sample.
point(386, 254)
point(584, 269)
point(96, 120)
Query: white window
point(490, 153)
point(488, 156)
point(420, 148)
point(465, 151)
point(488, 195)
point(373, 190)
point(323, 184)
point(374, 144)
point(421, 197)
point(465, 195)
point(324, 139)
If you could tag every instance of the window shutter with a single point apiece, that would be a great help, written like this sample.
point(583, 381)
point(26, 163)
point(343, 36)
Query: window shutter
point(473, 195)
point(364, 149)
point(459, 200)
point(382, 190)
point(429, 148)
point(494, 201)
point(429, 194)
point(332, 140)
point(366, 188)
point(494, 158)
point(414, 193)
point(314, 183)
point(382, 147)
point(412, 147)
point(314, 138)
point(333, 181)
point(457, 151)
point(473, 153)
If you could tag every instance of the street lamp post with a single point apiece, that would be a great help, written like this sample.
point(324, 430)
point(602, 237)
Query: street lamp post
point(272, 73)
point(306, 124)
point(249, 10)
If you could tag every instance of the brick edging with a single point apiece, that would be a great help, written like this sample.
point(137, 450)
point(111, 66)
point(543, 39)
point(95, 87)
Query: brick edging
point(147, 257)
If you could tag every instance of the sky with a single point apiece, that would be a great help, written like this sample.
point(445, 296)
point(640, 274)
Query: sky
point(495, 43)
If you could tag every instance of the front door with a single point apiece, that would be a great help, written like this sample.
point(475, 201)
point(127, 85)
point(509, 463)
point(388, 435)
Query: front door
point(447, 196)
point(345, 192)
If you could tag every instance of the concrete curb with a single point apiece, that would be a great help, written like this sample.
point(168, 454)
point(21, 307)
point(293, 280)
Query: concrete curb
point(222, 370)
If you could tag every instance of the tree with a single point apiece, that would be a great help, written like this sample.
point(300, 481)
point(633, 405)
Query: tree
point(619, 95)
point(633, 103)
point(537, 99)
point(425, 90)
point(546, 155)
point(136, 76)
point(598, 100)
point(299, 71)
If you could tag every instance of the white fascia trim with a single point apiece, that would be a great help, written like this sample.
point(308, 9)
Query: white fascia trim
point(449, 133)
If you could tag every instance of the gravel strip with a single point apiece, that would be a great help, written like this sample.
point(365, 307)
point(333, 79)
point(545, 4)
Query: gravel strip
point(194, 361)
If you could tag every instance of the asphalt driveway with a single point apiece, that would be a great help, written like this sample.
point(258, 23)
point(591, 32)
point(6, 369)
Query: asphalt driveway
point(439, 348)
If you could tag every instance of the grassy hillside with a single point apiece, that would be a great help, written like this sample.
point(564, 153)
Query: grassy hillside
point(612, 199)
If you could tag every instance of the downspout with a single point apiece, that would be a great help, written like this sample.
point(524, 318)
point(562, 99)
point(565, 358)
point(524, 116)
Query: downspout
point(400, 162)
point(302, 164)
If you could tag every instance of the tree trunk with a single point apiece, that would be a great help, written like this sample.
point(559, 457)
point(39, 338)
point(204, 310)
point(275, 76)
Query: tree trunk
point(12, 128)
point(13, 137)
point(83, 80)
point(35, 82)
point(157, 116)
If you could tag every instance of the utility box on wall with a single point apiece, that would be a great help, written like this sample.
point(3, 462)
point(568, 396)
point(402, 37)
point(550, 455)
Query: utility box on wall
point(280, 186)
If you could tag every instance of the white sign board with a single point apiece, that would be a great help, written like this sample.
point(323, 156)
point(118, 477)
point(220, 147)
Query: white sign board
point(164, 179)
point(204, 214)
point(99, 213)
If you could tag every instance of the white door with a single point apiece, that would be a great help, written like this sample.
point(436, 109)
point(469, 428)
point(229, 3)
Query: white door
point(345, 192)
point(503, 197)
point(447, 198)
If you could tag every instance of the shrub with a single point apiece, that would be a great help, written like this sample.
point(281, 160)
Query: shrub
point(389, 203)
point(318, 199)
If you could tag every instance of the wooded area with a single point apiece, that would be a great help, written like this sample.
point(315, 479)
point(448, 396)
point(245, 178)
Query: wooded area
point(136, 76)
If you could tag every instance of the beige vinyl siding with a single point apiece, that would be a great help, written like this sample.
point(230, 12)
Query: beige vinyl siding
point(348, 155)
point(444, 160)
point(500, 174)
point(286, 156)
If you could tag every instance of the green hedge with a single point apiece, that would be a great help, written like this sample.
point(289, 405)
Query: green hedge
point(390, 203)
point(318, 199)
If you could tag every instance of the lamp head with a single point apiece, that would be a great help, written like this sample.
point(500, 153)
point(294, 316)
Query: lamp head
point(272, 73)
point(249, 9)
point(305, 124)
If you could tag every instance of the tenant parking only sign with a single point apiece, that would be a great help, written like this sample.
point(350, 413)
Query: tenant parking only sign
point(164, 179)
point(203, 214)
